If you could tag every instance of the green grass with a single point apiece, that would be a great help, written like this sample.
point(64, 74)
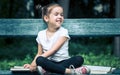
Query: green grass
point(101, 60)
point(7, 64)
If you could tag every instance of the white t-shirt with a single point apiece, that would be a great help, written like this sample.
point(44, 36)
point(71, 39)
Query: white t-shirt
point(46, 43)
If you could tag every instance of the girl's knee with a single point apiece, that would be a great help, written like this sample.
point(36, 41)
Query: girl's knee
point(80, 59)
point(39, 60)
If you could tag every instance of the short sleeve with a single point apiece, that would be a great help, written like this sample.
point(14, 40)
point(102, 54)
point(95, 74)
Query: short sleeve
point(64, 32)
point(40, 36)
point(38, 39)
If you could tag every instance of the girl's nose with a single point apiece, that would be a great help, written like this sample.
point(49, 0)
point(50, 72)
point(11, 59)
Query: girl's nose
point(60, 16)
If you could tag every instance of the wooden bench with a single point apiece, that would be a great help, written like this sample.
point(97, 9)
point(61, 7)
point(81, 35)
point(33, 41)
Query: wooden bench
point(76, 27)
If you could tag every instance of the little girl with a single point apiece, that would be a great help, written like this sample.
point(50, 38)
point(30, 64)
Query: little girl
point(52, 53)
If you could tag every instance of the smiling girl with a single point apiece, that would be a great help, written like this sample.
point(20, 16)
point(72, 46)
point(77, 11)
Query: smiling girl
point(53, 55)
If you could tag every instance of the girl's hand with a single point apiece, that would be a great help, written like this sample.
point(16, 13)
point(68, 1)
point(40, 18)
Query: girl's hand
point(28, 66)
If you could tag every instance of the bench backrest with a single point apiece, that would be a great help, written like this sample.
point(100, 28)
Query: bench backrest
point(77, 27)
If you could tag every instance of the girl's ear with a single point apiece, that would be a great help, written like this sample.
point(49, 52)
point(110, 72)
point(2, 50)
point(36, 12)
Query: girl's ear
point(45, 18)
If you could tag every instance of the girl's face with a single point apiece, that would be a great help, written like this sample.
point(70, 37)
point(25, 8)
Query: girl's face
point(55, 18)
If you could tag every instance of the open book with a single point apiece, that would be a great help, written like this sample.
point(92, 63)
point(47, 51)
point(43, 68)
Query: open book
point(19, 68)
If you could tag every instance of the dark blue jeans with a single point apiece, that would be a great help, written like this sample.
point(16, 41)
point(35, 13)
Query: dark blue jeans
point(59, 67)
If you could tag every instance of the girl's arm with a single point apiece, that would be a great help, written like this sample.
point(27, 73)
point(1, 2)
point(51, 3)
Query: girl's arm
point(38, 54)
point(55, 47)
point(33, 65)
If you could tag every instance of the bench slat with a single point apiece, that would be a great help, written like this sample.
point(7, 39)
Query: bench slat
point(76, 27)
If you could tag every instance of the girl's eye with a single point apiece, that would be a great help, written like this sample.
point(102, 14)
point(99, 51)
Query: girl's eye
point(56, 14)
point(62, 14)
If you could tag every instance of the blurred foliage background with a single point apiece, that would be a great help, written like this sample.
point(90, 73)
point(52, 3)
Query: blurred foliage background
point(21, 50)
point(76, 8)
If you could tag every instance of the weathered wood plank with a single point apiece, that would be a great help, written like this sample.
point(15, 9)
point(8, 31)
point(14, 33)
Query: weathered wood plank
point(81, 27)
point(20, 27)
point(100, 69)
point(7, 72)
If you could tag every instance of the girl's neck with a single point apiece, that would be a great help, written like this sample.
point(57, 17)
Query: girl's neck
point(52, 30)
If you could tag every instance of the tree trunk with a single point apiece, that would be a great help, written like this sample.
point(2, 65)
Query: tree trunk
point(11, 8)
point(117, 39)
point(65, 5)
